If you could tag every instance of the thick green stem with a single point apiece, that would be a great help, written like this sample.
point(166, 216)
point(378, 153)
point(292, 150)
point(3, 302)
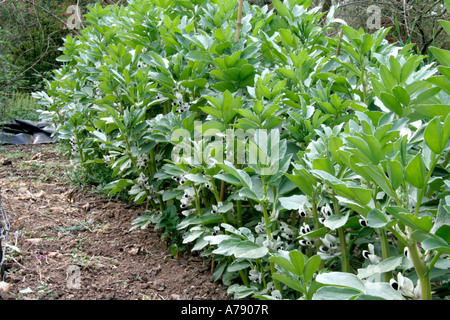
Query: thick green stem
point(421, 192)
point(433, 262)
point(421, 271)
point(316, 225)
point(215, 192)
point(267, 222)
point(197, 202)
point(239, 212)
point(385, 252)
point(244, 277)
point(446, 160)
point(345, 259)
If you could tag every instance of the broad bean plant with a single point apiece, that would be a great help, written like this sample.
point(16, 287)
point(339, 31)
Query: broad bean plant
point(303, 159)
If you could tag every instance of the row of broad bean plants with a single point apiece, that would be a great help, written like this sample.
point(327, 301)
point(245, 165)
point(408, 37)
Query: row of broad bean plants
point(303, 158)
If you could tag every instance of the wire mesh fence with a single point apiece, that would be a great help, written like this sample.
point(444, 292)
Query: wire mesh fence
point(4, 232)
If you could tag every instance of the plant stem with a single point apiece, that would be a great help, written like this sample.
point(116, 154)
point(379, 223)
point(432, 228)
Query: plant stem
point(244, 277)
point(239, 212)
point(316, 225)
point(266, 222)
point(345, 259)
point(433, 262)
point(421, 193)
point(421, 271)
point(197, 202)
point(239, 20)
point(222, 191)
point(385, 252)
point(446, 160)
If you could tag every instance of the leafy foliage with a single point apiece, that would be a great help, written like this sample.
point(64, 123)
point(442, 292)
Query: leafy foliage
point(338, 162)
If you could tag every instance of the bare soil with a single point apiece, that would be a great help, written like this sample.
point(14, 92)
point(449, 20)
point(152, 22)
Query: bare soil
point(73, 244)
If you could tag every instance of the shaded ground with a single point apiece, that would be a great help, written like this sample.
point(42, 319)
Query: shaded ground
point(68, 243)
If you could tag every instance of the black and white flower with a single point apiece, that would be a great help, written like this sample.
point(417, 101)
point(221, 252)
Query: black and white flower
point(255, 276)
point(303, 210)
point(304, 229)
point(370, 254)
point(406, 286)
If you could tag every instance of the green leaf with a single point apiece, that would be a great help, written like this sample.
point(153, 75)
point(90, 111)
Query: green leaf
point(415, 172)
point(395, 173)
point(170, 194)
point(442, 82)
point(311, 267)
point(335, 293)
point(294, 284)
point(285, 264)
point(387, 77)
point(441, 226)
point(342, 279)
point(383, 290)
point(336, 221)
point(302, 182)
point(288, 73)
point(237, 265)
point(431, 110)
point(316, 233)
point(377, 219)
point(433, 136)
point(237, 173)
point(323, 164)
point(282, 9)
point(297, 260)
point(401, 95)
point(362, 146)
point(423, 223)
point(240, 291)
point(436, 244)
point(391, 103)
point(218, 271)
point(386, 265)
point(249, 250)
point(339, 186)
point(366, 43)
point(443, 56)
point(228, 177)
point(292, 202)
point(198, 56)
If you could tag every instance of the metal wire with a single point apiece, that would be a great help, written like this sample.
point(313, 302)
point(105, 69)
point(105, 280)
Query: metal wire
point(4, 231)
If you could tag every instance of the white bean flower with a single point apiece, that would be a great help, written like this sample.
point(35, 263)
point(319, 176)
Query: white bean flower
point(326, 211)
point(371, 254)
point(304, 229)
point(275, 244)
point(406, 286)
point(216, 230)
point(276, 294)
point(255, 276)
point(260, 227)
point(303, 210)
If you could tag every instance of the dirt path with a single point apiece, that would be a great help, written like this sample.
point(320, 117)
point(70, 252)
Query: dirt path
point(67, 243)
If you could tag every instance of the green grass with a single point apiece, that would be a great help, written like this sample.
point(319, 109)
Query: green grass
point(19, 106)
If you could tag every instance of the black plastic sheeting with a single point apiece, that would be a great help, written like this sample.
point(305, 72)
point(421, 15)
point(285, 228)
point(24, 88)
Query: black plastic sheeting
point(26, 132)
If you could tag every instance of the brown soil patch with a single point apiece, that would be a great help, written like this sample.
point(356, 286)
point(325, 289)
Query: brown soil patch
point(72, 244)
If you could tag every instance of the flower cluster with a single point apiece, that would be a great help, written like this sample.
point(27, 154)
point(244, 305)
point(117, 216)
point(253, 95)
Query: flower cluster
point(370, 254)
point(326, 212)
point(406, 287)
point(328, 249)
